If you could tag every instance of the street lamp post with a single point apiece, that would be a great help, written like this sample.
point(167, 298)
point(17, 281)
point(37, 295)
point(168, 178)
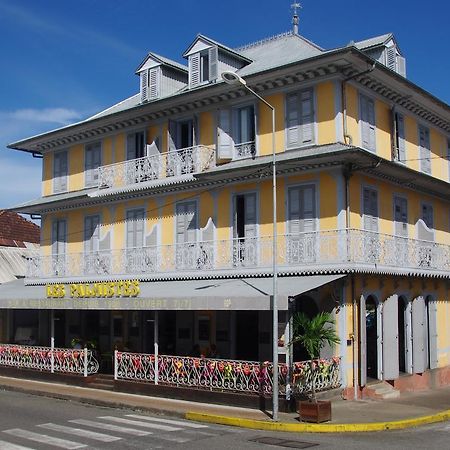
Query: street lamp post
point(234, 79)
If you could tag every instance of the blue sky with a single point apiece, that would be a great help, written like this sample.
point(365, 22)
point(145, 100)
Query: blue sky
point(63, 60)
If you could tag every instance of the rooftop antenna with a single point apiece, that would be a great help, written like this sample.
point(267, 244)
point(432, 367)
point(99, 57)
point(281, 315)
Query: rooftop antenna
point(295, 6)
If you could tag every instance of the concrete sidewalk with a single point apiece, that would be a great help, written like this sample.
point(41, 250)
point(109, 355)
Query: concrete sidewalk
point(410, 409)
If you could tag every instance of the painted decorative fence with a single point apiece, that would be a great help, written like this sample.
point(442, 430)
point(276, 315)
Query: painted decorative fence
point(64, 360)
point(223, 375)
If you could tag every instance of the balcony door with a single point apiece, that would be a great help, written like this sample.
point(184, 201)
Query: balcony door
point(92, 260)
point(135, 253)
point(59, 245)
point(245, 248)
point(370, 238)
point(186, 234)
point(302, 222)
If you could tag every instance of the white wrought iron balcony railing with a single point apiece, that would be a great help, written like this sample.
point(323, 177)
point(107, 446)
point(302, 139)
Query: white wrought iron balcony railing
point(245, 150)
point(306, 252)
point(156, 167)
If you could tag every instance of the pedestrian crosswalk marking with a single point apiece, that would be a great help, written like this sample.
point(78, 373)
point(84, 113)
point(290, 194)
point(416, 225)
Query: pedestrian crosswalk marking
point(7, 446)
point(140, 424)
point(111, 427)
point(43, 438)
point(80, 432)
point(168, 421)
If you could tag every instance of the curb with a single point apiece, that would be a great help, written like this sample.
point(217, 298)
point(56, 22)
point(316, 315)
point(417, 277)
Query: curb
point(316, 428)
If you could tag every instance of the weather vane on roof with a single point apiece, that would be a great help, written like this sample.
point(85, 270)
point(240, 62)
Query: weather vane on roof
point(295, 6)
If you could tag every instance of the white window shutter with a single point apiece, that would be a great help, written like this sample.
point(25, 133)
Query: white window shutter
point(213, 63)
point(370, 209)
point(294, 211)
point(391, 54)
point(194, 70)
point(224, 139)
point(307, 116)
point(186, 222)
point(401, 66)
point(390, 338)
point(144, 85)
point(425, 154)
point(418, 334)
point(293, 121)
point(250, 216)
point(401, 216)
point(154, 77)
point(60, 170)
point(91, 233)
point(172, 135)
point(131, 146)
point(401, 138)
point(367, 115)
point(308, 215)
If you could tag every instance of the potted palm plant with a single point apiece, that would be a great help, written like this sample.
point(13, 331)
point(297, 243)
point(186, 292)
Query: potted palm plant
point(313, 334)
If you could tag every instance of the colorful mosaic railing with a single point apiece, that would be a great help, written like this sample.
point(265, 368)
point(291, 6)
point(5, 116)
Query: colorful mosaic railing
point(63, 360)
point(222, 374)
point(324, 373)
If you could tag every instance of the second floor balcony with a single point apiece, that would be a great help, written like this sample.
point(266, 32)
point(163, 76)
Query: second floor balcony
point(321, 251)
point(172, 164)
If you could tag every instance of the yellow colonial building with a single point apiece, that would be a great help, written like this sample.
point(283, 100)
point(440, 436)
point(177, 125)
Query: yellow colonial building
point(157, 213)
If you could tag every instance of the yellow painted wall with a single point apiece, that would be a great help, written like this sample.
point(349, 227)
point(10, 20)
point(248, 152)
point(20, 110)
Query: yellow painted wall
point(412, 143)
point(107, 151)
point(351, 95)
point(76, 167)
point(265, 125)
point(47, 174)
point(326, 113)
point(383, 133)
point(207, 129)
point(121, 149)
point(438, 164)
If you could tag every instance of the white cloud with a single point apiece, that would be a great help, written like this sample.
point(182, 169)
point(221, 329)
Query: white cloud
point(62, 116)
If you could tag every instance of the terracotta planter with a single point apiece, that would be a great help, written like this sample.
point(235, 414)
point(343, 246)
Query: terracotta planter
point(317, 412)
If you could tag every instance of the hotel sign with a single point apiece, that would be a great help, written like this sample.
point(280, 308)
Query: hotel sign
point(113, 289)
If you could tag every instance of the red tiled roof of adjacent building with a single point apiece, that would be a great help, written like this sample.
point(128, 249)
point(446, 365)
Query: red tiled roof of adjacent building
point(15, 230)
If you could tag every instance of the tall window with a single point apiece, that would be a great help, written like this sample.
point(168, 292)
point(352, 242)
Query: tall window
point(59, 242)
point(60, 169)
point(91, 234)
point(300, 118)
point(427, 215)
point(92, 161)
point(370, 209)
point(424, 149)
point(135, 228)
point(401, 216)
point(186, 222)
point(245, 124)
point(302, 209)
point(136, 145)
point(367, 119)
point(400, 144)
point(203, 66)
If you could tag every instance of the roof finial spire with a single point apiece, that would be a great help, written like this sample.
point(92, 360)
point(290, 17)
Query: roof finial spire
point(295, 6)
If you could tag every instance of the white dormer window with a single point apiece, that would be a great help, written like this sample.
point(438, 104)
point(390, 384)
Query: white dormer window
point(395, 61)
point(203, 66)
point(150, 83)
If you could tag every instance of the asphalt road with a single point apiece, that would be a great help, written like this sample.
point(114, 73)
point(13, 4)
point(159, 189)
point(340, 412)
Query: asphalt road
point(32, 422)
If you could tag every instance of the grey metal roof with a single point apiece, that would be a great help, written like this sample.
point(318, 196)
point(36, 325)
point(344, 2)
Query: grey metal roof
point(163, 60)
point(212, 294)
point(128, 103)
point(277, 51)
point(374, 41)
point(219, 44)
point(13, 262)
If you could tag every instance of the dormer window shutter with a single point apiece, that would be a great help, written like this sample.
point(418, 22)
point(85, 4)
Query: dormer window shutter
point(391, 55)
point(153, 78)
point(213, 63)
point(144, 86)
point(194, 69)
point(401, 66)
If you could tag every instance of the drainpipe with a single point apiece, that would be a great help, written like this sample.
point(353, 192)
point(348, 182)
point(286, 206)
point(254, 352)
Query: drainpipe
point(393, 134)
point(347, 137)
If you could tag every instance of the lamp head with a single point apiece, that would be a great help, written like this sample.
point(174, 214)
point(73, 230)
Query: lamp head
point(233, 78)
